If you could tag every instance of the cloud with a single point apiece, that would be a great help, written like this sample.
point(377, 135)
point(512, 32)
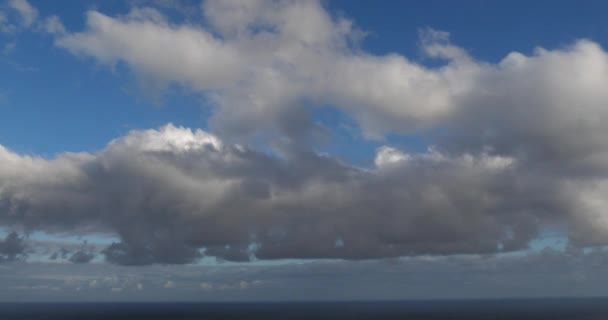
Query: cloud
point(260, 63)
point(22, 16)
point(12, 247)
point(518, 146)
point(173, 193)
point(53, 25)
point(59, 254)
point(544, 273)
point(144, 251)
point(82, 256)
point(27, 12)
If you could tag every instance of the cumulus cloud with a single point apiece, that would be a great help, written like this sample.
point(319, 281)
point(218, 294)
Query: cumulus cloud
point(517, 146)
point(261, 63)
point(172, 193)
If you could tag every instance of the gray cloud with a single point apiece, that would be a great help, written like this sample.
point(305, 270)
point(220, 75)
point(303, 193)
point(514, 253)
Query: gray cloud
point(12, 247)
point(172, 192)
point(546, 273)
point(83, 255)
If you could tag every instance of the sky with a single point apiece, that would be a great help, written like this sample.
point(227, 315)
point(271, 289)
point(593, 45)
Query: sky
point(302, 150)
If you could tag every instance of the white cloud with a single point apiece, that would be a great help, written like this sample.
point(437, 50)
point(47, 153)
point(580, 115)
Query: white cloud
point(169, 139)
point(387, 155)
point(261, 62)
point(183, 54)
point(27, 12)
point(269, 57)
point(53, 25)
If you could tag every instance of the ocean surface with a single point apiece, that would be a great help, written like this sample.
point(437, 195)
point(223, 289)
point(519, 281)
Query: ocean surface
point(469, 309)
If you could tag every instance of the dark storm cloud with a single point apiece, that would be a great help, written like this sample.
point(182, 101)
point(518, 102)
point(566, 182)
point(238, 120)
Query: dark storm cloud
point(12, 247)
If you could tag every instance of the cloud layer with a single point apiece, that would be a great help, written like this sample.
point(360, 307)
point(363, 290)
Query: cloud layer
point(547, 273)
point(174, 194)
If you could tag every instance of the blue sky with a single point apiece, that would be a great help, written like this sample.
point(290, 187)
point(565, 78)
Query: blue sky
point(173, 134)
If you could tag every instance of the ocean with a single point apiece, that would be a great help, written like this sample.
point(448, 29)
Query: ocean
point(577, 309)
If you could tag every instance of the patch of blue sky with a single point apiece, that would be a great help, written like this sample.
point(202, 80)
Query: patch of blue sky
point(90, 238)
point(346, 142)
point(76, 109)
point(488, 29)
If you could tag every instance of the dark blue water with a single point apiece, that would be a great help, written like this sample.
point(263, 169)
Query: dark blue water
point(470, 310)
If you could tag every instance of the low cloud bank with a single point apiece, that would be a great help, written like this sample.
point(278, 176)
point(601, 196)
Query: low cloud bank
point(173, 195)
